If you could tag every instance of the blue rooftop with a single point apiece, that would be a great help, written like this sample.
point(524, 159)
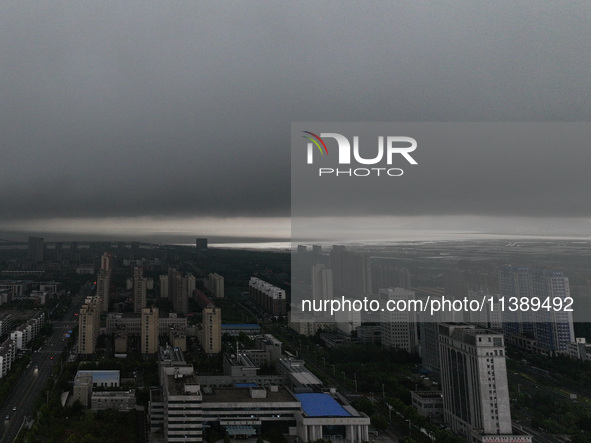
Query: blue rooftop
point(245, 385)
point(99, 376)
point(321, 405)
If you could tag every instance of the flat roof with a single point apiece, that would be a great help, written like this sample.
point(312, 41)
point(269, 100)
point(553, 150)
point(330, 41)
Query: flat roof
point(241, 326)
point(305, 378)
point(241, 395)
point(240, 430)
point(321, 405)
point(102, 375)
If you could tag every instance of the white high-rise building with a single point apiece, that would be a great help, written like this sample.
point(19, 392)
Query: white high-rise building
point(215, 284)
point(552, 330)
point(399, 327)
point(321, 283)
point(474, 383)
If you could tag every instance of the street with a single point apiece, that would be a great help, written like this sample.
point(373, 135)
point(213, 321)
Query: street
point(33, 380)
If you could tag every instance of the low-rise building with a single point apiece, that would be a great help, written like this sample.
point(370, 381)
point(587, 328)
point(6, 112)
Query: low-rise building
point(186, 405)
point(118, 400)
point(428, 404)
point(579, 349)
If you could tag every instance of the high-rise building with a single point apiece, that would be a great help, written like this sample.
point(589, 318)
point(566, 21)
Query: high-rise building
point(322, 283)
point(139, 290)
point(211, 332)
point(149, 331)
point(35, 252)
point(164, 286)
point(103, 280)
point(399, 327)
point(474, 383)
point(267, 296)
point(552, 330)
point(107, 261)
point(187, 288)
point(89, 325)
point(215, 284)
point(351, 271)
point(489, 316)
point(175, 291)
point(346, 320)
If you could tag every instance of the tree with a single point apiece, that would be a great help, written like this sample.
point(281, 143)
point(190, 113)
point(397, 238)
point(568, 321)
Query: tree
point(364, 405)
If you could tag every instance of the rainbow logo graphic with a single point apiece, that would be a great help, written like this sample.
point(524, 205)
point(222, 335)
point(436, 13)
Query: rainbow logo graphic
point(316, 142)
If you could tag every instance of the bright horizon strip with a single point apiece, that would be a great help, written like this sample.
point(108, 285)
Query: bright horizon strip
point(319, 139)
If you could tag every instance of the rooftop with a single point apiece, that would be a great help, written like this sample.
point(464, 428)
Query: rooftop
point(321, 405)
point(101, 376)
point(240, 326)
point(242, 395)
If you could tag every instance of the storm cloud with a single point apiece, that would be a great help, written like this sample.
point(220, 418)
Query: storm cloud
point(129, 109)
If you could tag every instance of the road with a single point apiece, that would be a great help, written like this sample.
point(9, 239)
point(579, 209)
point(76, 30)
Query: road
point(33, 380)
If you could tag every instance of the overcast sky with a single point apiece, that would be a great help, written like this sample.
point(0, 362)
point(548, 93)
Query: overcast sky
point(182, 110)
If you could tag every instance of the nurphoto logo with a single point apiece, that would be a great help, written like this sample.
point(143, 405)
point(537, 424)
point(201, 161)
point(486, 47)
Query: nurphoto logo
point(394, 146)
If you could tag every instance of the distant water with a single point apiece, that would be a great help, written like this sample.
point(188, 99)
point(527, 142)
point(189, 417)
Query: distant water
point(260, 246)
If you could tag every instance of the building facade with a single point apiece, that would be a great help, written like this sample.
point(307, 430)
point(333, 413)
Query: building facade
point(89, 325)
point(149, 331)
point(211, 330)
point(474, 383)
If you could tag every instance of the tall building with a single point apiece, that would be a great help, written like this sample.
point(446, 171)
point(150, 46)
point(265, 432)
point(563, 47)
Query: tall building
point(388, 275)
point(140, 287)
point(164, 286)
point(489, 317)
point(322, 283)
point(89, 325)
point(347, 321)
point(103, 280)
point(474, 384)
point(215, 284)
point(149, 331)
point(351, 271)
point(175, 291)
point(399, 327)
point(35, 252)
point(107, 261)
point(211, 332)
point(267, 296)
point(551, 330)
point(187, 288)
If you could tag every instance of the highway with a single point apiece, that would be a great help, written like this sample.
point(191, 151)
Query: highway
point(20, 402)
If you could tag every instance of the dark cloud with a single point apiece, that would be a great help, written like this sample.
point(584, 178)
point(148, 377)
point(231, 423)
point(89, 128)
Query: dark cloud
point(134, 108)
